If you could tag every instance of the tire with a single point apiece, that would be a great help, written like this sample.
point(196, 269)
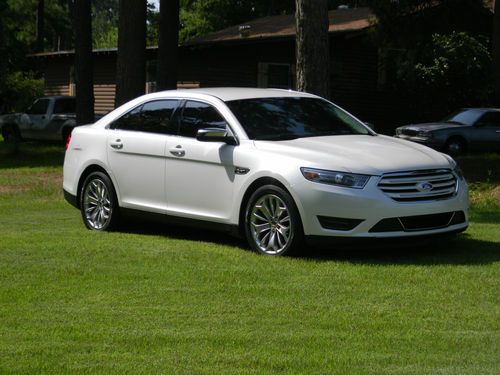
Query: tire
point(10, 134)
point(272, 222)
point(456, 146)
point(98, 203)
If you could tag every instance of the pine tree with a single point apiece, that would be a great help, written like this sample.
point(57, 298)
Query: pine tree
point(83, 63)
point(312, 46)
point(131, 59)
point(167, 45)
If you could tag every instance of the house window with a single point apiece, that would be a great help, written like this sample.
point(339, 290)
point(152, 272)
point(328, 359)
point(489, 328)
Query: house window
point(276, 75)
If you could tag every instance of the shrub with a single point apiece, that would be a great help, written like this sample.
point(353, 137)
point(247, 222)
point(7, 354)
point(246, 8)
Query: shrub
point(18, 90)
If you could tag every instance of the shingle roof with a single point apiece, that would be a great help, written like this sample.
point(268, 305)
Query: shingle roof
point(341, 20)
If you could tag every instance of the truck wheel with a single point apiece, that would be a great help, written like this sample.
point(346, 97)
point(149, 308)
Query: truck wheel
point(10, 134)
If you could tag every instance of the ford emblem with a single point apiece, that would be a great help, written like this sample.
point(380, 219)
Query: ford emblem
point(425, 187)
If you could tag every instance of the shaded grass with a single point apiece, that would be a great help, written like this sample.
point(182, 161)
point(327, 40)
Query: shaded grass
point(481, 167)
point(31, 154)
point(156, 299)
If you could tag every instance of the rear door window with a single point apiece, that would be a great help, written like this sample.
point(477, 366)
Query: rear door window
point(490, 119)
point(151, 117)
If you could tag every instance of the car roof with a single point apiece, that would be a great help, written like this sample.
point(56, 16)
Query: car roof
point(237, 93)
point(482, 109)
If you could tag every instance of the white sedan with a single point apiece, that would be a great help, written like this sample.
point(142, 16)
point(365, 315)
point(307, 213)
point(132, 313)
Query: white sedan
point(278, 167)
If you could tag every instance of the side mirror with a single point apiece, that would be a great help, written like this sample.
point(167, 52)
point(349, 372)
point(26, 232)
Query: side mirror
point(216, 135)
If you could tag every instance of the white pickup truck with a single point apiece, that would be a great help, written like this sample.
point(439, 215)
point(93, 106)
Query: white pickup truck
point(49, 118)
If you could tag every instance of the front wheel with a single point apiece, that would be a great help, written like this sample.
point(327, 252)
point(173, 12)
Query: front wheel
point(98, 203)
point(10, 134)
point(272, 222)
point(456, 146)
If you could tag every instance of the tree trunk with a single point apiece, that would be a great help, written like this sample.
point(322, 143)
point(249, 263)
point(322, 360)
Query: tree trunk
point(168, 42)
point(84, 79)
point(495, 55)
point(131, 59)
point(40, 25)
point(312, 46)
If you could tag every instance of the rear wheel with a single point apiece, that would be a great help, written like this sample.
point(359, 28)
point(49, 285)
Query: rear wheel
point(272, 222)
point(98, 203)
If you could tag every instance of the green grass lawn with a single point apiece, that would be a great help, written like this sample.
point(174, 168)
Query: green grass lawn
point(172, 300)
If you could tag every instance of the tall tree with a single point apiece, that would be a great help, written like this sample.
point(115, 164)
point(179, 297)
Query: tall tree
point(168, 43)
point(495, 56)
point(312, 46)
point(40, 25)
point(131, 59)
point(83, 63)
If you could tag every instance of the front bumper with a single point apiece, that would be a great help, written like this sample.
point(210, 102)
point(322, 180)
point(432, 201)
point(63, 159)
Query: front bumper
point(363, 209)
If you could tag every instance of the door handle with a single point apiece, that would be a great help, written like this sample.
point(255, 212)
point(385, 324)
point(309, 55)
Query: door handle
point(497, 131)
point(178, 151)
point(117, 145)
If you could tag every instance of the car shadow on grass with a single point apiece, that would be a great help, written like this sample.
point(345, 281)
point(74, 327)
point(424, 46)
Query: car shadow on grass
point(454, 250)
point(457, 250)
point(180, 232)
point(31, 154)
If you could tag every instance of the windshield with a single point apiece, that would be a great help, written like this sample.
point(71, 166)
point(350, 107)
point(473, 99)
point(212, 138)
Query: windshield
point(293, 117)
point(464, 117)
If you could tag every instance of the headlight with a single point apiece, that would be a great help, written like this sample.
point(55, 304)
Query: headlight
point(424, 134)
point(351, 180)
point(454, 165)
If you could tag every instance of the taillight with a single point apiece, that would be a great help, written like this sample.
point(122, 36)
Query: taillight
point(68, 138)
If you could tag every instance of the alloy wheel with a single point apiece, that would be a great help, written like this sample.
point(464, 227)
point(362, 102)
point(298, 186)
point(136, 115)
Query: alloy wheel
point(97, 205)
point(270, 224)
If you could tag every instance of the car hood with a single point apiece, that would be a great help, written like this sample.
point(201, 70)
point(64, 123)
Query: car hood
point(430, 126)
point(365, 154)
point(10, 117)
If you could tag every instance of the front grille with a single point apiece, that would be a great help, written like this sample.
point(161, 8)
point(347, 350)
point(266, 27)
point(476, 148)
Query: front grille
point(423, 222)
point(410, 132)
point(417, 186)
point(419, 222)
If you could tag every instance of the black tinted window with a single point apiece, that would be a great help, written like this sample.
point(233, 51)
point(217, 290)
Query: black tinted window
point(65, 106)
point(490, 119)
point(197, 115)
point(39, 107)
point(289, 118)
point(129, 121)
point(157, 115)
point(152, 117)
